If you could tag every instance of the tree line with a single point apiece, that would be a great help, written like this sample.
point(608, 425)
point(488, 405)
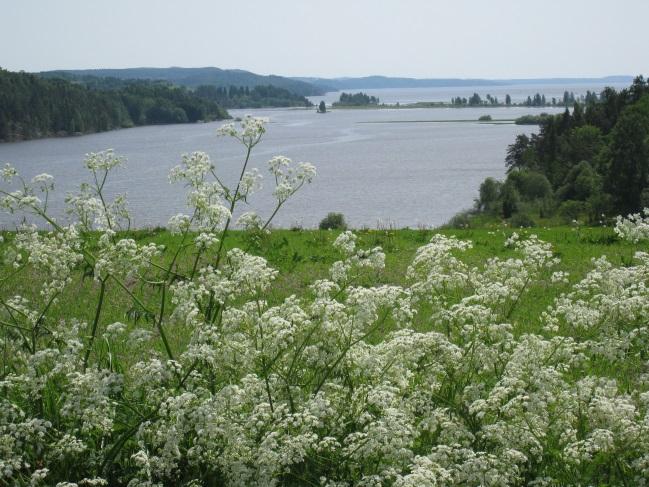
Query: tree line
point(356, 99)
point(256, 97)
point(32, 106)
point(538, 100)
point(590, 162)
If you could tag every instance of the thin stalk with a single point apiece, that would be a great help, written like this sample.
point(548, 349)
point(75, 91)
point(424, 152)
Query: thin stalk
point(159, 323)
point(232, 205)
point(95, 322)
point(347, 349)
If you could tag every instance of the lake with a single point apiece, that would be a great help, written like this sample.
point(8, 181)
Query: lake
point(377, 167)
point(518, 92)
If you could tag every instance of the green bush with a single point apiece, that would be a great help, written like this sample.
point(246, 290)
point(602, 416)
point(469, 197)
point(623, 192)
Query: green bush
point(510, 199)
point(581, 183)
point(522, 220)
point(573, 210)
point(489, 194)
point(531, 185)
point(333, 221)
point(460, 220)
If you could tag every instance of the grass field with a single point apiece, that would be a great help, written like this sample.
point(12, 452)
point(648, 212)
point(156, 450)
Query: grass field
point(302, 256)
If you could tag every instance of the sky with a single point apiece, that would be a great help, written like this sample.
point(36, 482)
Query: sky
point(332, 38)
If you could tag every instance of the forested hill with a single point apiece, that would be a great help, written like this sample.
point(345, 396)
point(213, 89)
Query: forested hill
point(257, 97)
point(581, 165)
point(194, 77)
point(33, 107)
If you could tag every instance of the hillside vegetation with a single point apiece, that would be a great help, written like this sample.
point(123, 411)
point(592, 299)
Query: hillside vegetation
point(585, 164)
point(33, 107)
point(194, 77)
point(257, 97)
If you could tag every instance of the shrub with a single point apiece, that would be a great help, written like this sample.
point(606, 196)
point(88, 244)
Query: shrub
point(333, 221)
point(532, 119)
point(489, 194)
point(485, 118)
point(522, 220)
point(531, 185)
point(573, 210)
point(510, 199)
point(581, 183)
point(460, 220)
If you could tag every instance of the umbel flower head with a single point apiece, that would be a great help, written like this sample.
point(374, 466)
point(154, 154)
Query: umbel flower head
point(249, 131)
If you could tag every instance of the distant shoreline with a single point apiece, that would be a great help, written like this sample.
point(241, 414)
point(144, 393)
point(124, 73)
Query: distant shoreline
point(435, 104)
point(504, 121)
point(116, 129)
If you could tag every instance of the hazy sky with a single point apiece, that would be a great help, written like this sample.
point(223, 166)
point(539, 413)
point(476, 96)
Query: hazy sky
point(421, 38)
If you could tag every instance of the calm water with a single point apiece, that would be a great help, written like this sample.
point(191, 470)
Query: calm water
point(518, 93)
point(407, 173)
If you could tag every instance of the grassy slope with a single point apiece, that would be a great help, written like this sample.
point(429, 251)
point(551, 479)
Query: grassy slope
point(303, 256)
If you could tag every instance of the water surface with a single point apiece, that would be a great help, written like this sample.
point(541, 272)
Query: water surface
point(407, 171)
point(518, 92)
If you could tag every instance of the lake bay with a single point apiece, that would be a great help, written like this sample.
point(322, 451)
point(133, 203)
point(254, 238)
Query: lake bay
point(377, 167)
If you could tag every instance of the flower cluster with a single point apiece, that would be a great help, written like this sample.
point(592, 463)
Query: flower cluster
point(249, 131)
point(54, 255)
point(103, 161)
point(90, 207)
point(123, 257)
point(289, 179)
point(634, 228)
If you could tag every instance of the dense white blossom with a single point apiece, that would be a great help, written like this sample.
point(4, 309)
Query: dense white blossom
point(289, 179)
point(103, 161)
point(248, 131)
point(634, 227)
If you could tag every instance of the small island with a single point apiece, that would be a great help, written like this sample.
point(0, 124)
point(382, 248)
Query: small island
point(359, 99)
point(362, 100)
point(533, 119)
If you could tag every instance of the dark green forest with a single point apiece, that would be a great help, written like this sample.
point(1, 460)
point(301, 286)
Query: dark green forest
point(356, 99)
point(586, 163)
point(538, 100)
point(194, 77)
point(33, 107)
point(257, 97)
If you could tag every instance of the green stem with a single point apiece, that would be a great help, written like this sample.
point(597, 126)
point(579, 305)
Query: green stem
point(159, 323)
point(93, 333)
point(232, 205)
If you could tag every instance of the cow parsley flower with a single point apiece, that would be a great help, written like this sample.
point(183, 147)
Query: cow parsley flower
point(634, 227)
point(103, 161)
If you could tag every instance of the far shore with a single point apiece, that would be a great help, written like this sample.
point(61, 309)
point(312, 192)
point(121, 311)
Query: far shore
point(432, 104)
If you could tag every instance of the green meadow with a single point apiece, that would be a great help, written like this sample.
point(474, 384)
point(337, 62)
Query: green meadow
point(302, 256)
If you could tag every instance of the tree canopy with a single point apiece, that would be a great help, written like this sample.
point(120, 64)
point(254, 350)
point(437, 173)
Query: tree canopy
point(594, 158)
point(32, 106)
point(356, 99)
point(256, 97)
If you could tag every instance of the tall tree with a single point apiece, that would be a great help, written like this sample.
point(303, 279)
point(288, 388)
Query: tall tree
point(629, 157)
